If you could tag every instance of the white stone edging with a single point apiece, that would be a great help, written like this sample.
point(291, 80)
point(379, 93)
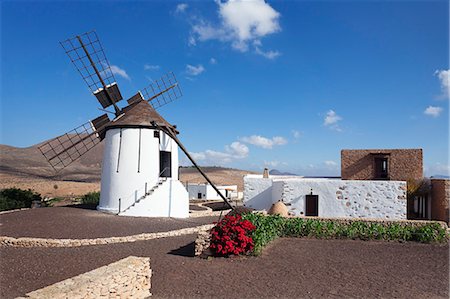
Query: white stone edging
point(42, 242)
point(211, 213)
point(12, 211)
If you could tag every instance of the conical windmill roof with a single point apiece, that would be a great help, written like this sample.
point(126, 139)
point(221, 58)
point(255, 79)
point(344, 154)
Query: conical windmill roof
point(139, 115)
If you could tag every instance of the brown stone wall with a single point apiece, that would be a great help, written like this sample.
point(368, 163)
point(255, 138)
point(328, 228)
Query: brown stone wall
point(403, 164)
point(440, 196)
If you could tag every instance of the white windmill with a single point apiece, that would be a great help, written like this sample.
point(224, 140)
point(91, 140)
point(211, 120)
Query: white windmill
point(140, 160)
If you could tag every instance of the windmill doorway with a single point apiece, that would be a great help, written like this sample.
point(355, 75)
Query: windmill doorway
point(165, 164)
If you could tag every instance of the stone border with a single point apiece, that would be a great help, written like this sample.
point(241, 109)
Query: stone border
point(202, 242)
point(41, 242)
point(12, 211)
point(127, 278)
point(208, 211)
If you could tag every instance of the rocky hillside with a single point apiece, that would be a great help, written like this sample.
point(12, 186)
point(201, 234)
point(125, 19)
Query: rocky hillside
point(27, 168)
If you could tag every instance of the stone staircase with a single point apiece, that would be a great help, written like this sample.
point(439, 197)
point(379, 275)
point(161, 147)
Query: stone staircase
point(147, 194)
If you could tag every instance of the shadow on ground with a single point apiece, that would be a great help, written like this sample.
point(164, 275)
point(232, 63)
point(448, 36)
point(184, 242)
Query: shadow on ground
point(82, 206)
point(186, 251)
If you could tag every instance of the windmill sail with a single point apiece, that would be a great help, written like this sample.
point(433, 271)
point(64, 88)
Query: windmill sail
point(65, 149)
point(87, 54)
point(162, 91)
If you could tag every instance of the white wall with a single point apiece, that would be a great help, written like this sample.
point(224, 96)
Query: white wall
point(124, 175)
point(208, 191)
point(195, 189)
point(337, 198)
point(169, 200)
point(130, 161)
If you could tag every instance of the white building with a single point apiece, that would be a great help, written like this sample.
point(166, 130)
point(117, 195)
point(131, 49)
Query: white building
point(329, 198)
point(140, 167)
point(206, 191)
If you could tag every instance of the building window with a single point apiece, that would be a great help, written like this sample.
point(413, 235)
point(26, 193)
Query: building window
point(199, 196)
point(381, 168)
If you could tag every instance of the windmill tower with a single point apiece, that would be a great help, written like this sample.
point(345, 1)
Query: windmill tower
point(140, 161)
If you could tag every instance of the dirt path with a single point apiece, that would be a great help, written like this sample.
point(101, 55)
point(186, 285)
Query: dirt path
point(289, 268)
point(77, 223)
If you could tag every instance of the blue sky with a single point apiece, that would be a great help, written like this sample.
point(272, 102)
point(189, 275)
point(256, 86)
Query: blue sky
point(283, 84)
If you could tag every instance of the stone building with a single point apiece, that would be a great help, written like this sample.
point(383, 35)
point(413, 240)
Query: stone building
point(373, 184)
point(440, 197)
point(382, 164)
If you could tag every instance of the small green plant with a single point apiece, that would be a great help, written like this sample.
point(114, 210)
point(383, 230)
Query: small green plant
point(15, 198)
point(91, 198)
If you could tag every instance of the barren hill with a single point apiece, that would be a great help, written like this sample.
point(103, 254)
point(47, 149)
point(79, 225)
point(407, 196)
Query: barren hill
point(27, 168)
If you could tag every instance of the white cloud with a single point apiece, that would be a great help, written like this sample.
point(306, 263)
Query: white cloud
point(433, 111)
point(119, 72)
point(264, 142)
point(249, 19)
point(330, 163)
point(194, 70)
point(237, 149)
point(149, 67)
point(331, 120)
point(437, 169)
point(242, 22)
point(234, 151)
point(267, 54)
point(192, 41)
point(181, 8)
point(198, 156)
point(271, 164)
point(444, 79)
point(212, 60)
point(296, 134)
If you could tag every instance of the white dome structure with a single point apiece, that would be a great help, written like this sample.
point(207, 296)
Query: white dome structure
point(140, 166)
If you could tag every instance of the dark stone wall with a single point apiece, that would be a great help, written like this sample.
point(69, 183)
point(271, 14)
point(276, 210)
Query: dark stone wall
point(403, 164)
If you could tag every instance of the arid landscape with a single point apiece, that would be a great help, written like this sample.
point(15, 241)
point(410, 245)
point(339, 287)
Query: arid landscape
point(26, 168)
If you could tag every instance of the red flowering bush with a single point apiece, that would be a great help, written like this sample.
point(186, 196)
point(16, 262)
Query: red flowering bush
point(232, 235)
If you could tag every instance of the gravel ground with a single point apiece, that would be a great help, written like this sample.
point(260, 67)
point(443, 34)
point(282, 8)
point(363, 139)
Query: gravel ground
point(290, 268)
point(79, 223)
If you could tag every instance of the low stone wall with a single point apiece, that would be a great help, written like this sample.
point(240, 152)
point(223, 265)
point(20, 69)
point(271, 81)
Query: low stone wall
point(41, 242)
point(202, 242)
point(127, 278)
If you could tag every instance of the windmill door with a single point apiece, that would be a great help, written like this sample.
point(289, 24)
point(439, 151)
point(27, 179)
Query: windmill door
point(165, 165)
point(312, 205)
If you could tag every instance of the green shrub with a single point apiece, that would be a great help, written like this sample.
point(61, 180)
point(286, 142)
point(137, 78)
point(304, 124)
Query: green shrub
point(270, 227)
point(91, 198)
point(267, 229)
point(15, 198)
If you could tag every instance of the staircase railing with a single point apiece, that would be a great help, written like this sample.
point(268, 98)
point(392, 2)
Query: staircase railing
point(146, 193)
